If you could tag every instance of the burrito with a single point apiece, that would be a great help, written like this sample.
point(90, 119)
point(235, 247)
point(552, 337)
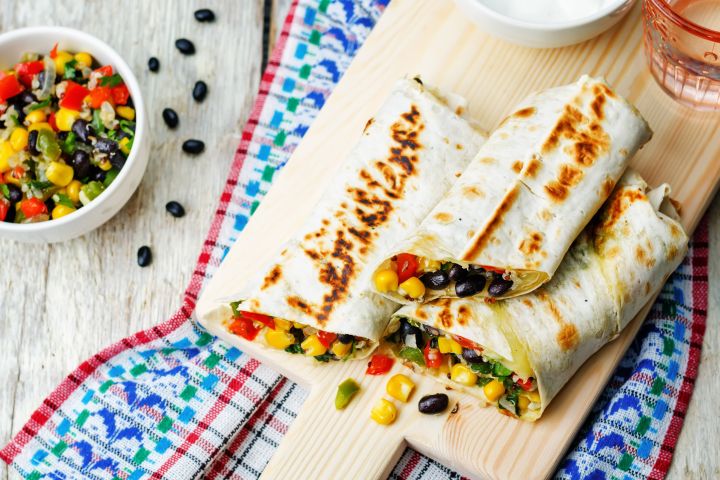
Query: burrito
point(504, 227)
point(517, 354)
point(314, 297)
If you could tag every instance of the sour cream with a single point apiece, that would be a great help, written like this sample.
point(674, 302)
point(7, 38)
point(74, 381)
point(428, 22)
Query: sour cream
point(546, 11)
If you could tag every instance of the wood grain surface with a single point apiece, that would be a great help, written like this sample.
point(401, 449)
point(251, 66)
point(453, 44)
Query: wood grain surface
point(60, 304)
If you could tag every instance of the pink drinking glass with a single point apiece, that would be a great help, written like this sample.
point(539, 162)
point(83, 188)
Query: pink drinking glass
point(684, 56)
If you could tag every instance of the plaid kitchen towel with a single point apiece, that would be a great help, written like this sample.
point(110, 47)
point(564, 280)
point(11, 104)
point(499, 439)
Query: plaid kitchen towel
point(173, 402)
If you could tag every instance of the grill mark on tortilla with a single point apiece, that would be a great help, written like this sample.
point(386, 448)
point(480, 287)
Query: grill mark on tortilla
point(472, 190)
point(532, 244)
point(483, 236)
point(532, 167)
point(525, 112)
point(272, 277)
point(370, 121)
point(568, 177)
point(458, 146)
point(619, 203)
point(644, 257)
point(568, 337)
point(443, 217)
point(420, 313)
point(464, 315)
point(371, 208)
point(672, 252)
point(607, 187)
point(517, 166)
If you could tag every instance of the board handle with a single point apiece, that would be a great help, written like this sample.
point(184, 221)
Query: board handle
point(314, 444)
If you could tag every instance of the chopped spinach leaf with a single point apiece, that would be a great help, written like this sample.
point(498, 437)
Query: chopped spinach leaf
point(234, 306)
point(5, 190)
point(62, 199)
point(111, 81)
point(294, 348)
point(39, 105)
point(325, 357)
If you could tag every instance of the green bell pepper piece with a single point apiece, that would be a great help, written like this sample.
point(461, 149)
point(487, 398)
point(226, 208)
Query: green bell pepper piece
point(412, 354)
point(47, 145)
point(345, 392)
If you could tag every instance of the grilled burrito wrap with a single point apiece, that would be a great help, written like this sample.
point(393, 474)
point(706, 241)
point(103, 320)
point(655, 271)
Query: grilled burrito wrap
point(517, 354)
point(504, 227)
point(314, 297)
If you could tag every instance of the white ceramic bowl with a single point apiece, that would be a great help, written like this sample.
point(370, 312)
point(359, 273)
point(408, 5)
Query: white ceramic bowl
point(545, 35)
point(41, 39)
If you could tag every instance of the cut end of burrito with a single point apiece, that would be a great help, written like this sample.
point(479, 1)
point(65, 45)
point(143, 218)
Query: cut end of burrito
point(296, 338)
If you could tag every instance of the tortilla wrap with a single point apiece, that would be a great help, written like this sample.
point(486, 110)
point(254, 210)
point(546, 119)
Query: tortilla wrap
point(528, 193)
point(407, 158)
point(612, 270)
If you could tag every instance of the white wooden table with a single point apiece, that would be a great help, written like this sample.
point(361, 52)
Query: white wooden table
point(59, 304)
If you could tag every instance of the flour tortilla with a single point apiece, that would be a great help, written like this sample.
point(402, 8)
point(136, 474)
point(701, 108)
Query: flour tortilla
point(532, 188)
point(612, 270)
point(407, 158)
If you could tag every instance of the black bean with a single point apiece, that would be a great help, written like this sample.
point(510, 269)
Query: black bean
point(170, 117)
point(200, 91)
point(457, 273)
point(28, 97)
point(82, 130)
point(204, 15)
point(471, 356)
point(345, 338)
point(476, 268)
point(15, 193)
point(97, 174)
point(470, 285)
point(106, 145)
point(17, 102)
point(435, 403)
point(434, 342)
point(144, 256)
point(499, 286)
point(435, 280)
point(175, 209)
point(153, 64)
point(117, 159)
point(193, 146)
point(185, 46)
point(432, 330)
point(80, 162)
point(61, 136)
point(298, 334)
point(406, 330)
point(32, 143)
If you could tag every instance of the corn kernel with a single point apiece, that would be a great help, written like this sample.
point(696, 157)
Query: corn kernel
point(84, 59)
point(105, 165)
point(279, 339)
point(386, 281)
point(428, 265)
point(414, 287)
point(283, 325)
point(463, 375)
point(494, 390)
point(400, 387)
point(455, 347)
point(6, 151)
point(36, 116)
point(444, 345)
point(40, 126)
point(61, 211)
point(59, 173)
point(10, 178)
point(73, 191)
point(65, 118)
point(127, 113)
point(19, 139)
point(298, 325)
point(312, 346)
point(340, 349)
point(384, 412)
point(534, 396)
point(60, 60)
point(124, 145)
point(523, 402)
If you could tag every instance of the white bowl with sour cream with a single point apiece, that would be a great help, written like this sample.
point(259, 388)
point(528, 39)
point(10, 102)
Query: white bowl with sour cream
point(545, 23)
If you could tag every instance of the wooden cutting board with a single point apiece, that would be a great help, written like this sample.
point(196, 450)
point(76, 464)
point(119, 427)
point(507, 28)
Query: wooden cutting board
point(434, 39)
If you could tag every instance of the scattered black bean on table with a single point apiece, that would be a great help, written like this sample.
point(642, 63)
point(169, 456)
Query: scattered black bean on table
point(175, 209)
point(144, 256)
point(153, 64)
point(434, 403)
point(170, 117)
point(200, 91)
point(193, 146)
point(204, 15)
point(185, 46)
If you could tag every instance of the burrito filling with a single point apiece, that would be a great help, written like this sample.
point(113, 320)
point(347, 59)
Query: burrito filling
point(294, 337)
point(411, 277)
point(466, 363)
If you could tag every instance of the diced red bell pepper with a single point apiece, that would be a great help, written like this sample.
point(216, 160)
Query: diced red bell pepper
point(104, 71)
point(524, 384)
point(326, 338)
point(98, 95)
point(27, 70)
point(9, 87)
point(74, 95)
point(4, 207)
point(32, 206)
point(493, 269)
point(467, 343)
point(53, 52)
point(244, 327)
point(433, 357)
point(120, 94)
point(407, 266)
point(52, 122)
point(266, 320)
point(379, 364)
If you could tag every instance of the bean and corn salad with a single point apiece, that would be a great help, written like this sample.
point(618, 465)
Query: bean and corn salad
point(465, 363)
point(411, 277)
point(294, 337)
point(67, 126)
